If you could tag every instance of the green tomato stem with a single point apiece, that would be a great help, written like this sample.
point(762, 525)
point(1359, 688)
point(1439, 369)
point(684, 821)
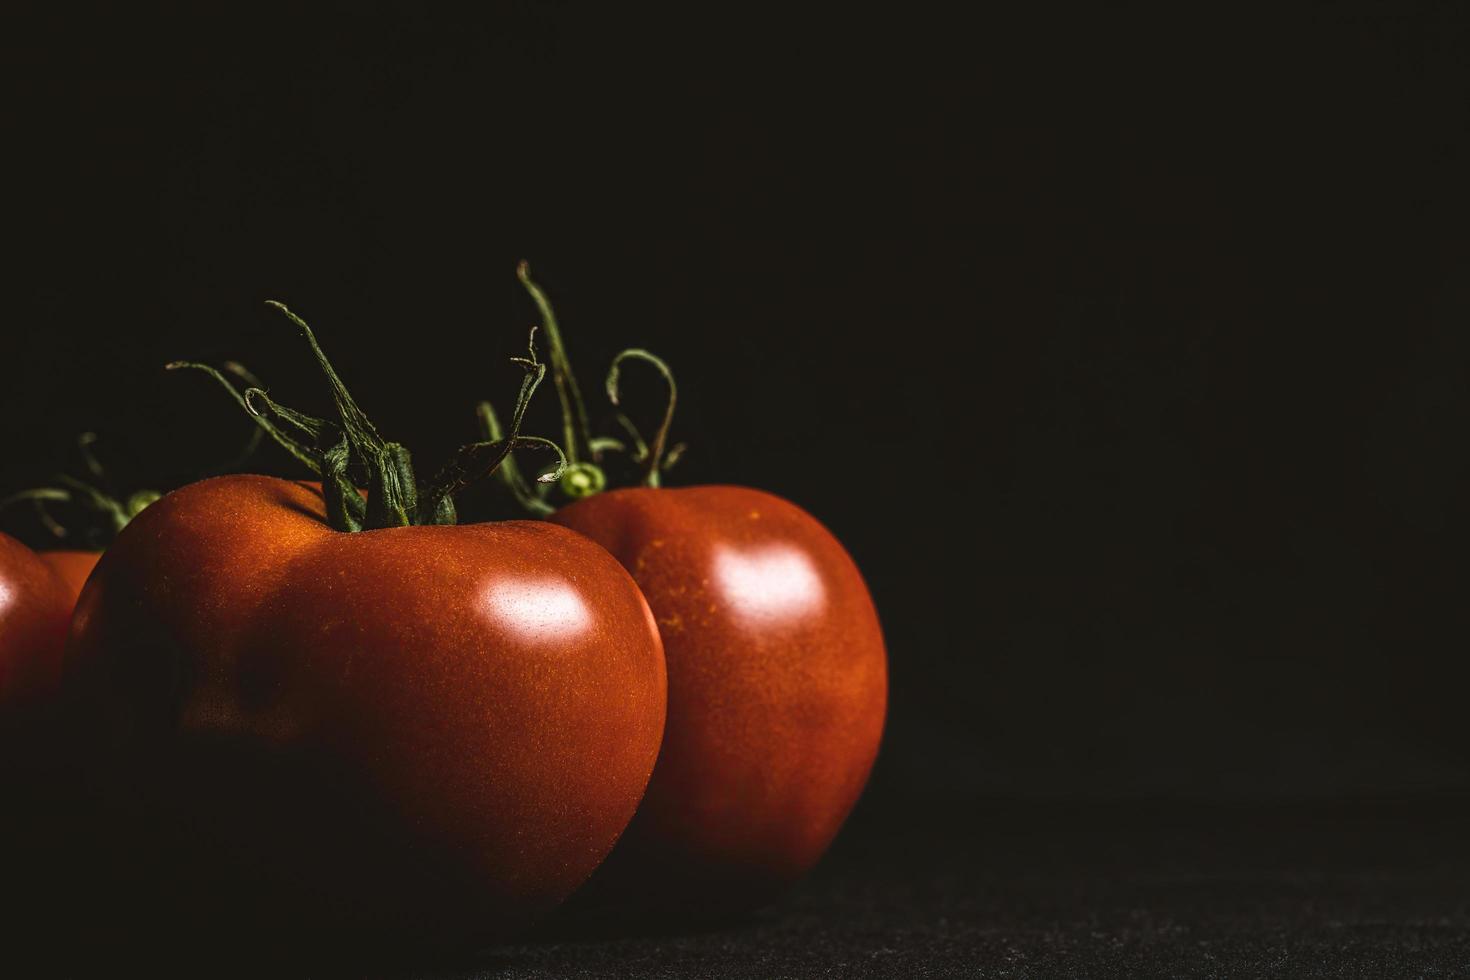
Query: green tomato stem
point(653, 455)
point(576, 430)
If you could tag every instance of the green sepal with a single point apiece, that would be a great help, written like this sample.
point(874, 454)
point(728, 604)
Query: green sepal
point(346, 510)
point(110, 514)
point(330, 456)
point(302, 453)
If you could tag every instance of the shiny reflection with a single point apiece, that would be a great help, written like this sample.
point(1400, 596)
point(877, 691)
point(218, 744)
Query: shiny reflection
point(5, 596)
point(538, 609)
point(771, 583)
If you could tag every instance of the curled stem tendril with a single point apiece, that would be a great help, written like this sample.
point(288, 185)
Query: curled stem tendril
point(651, 455)
point(480, 459)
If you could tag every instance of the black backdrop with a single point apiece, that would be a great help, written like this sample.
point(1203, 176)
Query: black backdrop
point(1126, 354)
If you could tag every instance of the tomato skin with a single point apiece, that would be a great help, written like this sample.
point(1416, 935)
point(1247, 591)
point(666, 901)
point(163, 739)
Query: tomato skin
point(777, 691)
point(35, 610)
point(405, 735)
point(72, 566)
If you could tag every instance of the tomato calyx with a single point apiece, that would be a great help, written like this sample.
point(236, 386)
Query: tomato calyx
point(587, 455)
point(348, 452)
point(105, 515)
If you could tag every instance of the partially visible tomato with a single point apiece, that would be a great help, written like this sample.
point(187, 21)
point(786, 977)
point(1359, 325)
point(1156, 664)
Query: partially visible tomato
point(777, 688)
point(35, 609)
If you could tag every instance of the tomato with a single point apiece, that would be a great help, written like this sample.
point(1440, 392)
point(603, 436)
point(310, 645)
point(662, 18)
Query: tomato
point(336, 722)
point(777, 690)
point(777, 672)
point(72, 566)
point(35, 608)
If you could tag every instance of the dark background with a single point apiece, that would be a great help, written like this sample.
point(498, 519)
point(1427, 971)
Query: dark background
point(1126, 353)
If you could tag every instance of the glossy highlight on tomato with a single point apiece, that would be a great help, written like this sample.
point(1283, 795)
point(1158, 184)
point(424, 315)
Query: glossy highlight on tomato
point(777, 691)
point(420, 733)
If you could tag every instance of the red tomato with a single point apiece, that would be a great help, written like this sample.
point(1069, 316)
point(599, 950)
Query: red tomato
point(35, 609)
point(777, 689)
point(72, 566)
point(415, 732)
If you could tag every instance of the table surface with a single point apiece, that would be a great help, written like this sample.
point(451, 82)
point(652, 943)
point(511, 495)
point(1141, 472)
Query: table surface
point(1366, 888)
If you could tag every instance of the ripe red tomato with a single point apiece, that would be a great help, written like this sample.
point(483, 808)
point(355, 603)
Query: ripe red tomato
point(777, 673)
point(422, 731)
point(337, 720)
point(35, 609)
point(777, 690)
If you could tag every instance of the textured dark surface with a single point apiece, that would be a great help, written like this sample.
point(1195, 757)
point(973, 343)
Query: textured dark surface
point(1342, 890)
